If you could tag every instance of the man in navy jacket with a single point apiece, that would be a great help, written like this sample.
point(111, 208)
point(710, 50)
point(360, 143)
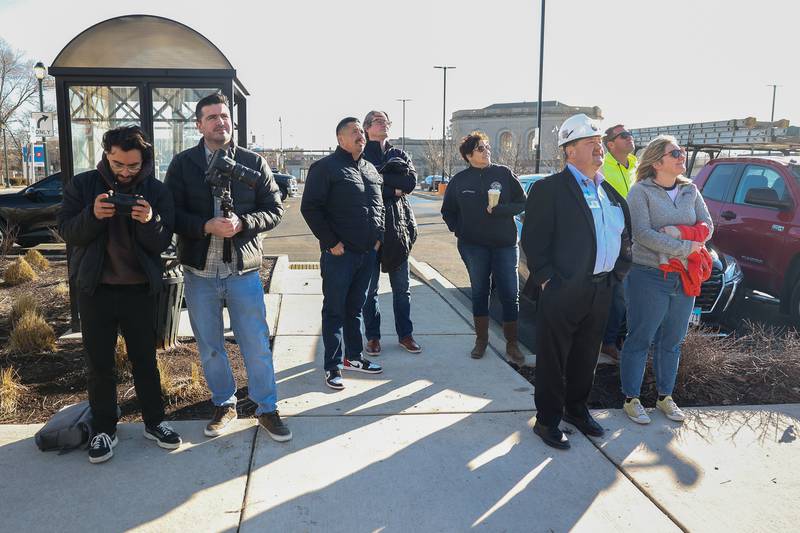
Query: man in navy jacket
point(343, 205)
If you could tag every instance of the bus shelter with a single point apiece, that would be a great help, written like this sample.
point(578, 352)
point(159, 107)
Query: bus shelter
point(143, 70)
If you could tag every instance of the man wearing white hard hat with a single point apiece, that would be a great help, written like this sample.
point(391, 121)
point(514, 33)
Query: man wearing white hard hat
point(576, 237)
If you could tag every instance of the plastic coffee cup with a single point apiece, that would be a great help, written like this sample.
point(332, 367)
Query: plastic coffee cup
point(494, 198)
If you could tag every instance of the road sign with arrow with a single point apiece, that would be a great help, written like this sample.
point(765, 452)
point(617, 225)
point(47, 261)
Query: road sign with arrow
point(42, 124)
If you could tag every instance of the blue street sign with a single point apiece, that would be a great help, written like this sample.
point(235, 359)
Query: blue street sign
point(38, 153)
point(25, 154)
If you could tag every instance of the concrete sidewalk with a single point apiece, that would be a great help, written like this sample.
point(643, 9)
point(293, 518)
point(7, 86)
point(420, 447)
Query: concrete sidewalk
point(438, 442)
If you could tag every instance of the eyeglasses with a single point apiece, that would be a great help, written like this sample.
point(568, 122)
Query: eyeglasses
point(625, 134)
point(119, 166)
point(381, 121)
point(676, 153)
point(483, 148)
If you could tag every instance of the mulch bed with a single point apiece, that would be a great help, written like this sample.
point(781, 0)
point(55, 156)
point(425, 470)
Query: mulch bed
point(55, 379)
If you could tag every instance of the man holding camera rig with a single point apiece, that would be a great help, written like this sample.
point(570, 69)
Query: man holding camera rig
point(221, 256)
point(118, 219)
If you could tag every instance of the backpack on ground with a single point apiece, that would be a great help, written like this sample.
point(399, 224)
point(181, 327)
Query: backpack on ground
point(69, 428)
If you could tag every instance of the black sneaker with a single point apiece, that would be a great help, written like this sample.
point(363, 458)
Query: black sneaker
point(275, 427)
point(164, 435)
point(333, 379)
point(362, 365)
point(101, 447)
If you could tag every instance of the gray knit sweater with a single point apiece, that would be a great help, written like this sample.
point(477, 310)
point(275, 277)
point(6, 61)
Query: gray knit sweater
point(652, 209)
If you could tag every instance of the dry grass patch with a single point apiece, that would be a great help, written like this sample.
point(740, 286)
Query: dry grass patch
point(174, 387)
point(25, 303)
point(122, 365)
point(760, 366)
point(37, 260)
point(61, 291)
point(20, 271)
point(11, 391)
point(32, 334)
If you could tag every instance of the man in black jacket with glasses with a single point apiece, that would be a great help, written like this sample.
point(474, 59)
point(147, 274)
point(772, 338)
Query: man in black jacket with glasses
point(116, 265)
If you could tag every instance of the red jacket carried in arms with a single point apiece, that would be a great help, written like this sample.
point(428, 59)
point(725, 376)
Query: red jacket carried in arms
point(698, 264)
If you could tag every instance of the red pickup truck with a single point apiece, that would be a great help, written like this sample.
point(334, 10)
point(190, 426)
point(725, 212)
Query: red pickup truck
point(755, 205)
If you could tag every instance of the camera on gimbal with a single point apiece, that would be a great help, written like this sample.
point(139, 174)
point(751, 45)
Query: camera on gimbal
point(222, 169)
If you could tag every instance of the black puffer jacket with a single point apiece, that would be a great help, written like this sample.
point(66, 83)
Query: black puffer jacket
point(401, 227)
point(342, 202)
point(259, 209)
point(88, 236)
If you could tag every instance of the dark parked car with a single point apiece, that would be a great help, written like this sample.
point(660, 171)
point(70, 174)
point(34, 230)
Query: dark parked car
point(755, 205)
point(286, 183)
point(29, 216)
point(716, 295)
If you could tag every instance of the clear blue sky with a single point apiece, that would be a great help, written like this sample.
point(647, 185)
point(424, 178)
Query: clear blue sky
point(645, 63)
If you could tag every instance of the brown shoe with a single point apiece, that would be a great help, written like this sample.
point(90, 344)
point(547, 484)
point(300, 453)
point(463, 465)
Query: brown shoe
point(223, 415)
point(481, 336)
point(510, 330)
point(410, 344)
point(611, 351)
point(373, 347)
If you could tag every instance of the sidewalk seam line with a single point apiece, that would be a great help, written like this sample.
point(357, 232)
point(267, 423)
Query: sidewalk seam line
point(674, 519)
point(247, 482)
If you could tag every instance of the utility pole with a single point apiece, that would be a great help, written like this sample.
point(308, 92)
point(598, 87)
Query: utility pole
point(5, 155)
point(404, 100)
point(444, 116)
point(280, 154)
point(539, 105)
point(774, 90)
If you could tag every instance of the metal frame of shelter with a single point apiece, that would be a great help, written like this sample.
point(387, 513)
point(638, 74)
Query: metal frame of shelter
point(139, 69)
point(144, 52)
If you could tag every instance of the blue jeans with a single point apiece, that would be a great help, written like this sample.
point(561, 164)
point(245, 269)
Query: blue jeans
point(244, 296)
point(658, 314)
point(616, 315)
point(401, 301)
point(484, 265)
point(345, 280)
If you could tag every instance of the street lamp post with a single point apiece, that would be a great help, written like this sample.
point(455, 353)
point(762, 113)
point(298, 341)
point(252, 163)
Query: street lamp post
point(5, 156)
point(444, 108)
point(774, 90)
point(404, 100)
point(280, 154)
point(41, 71)
point(539, 104)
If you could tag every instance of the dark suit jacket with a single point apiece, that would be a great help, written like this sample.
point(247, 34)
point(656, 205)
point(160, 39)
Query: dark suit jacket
point(558, 233)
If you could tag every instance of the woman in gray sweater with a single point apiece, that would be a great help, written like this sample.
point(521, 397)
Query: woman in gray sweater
point(657, 305)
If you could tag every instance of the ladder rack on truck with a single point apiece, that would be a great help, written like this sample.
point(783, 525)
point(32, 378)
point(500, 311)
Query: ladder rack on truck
point(746, 134)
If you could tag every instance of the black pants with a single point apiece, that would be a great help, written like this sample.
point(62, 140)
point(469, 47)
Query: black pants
point(570, 323)
point(131, 309)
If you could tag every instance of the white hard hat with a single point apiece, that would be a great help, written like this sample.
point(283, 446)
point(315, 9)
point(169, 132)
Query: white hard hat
point(577, 127)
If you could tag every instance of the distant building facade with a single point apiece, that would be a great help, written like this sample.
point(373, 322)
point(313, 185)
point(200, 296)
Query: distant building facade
point(511, 129)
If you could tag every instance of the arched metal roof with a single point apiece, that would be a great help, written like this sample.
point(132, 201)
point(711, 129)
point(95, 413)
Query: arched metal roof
point(141, 42)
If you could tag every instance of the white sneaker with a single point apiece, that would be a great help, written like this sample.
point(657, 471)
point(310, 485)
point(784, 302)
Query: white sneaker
point(670, 410)
point(636, 412)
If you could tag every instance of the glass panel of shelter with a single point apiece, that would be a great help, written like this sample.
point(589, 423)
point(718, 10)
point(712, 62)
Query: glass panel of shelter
point(93, 110)
point(174, 128)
